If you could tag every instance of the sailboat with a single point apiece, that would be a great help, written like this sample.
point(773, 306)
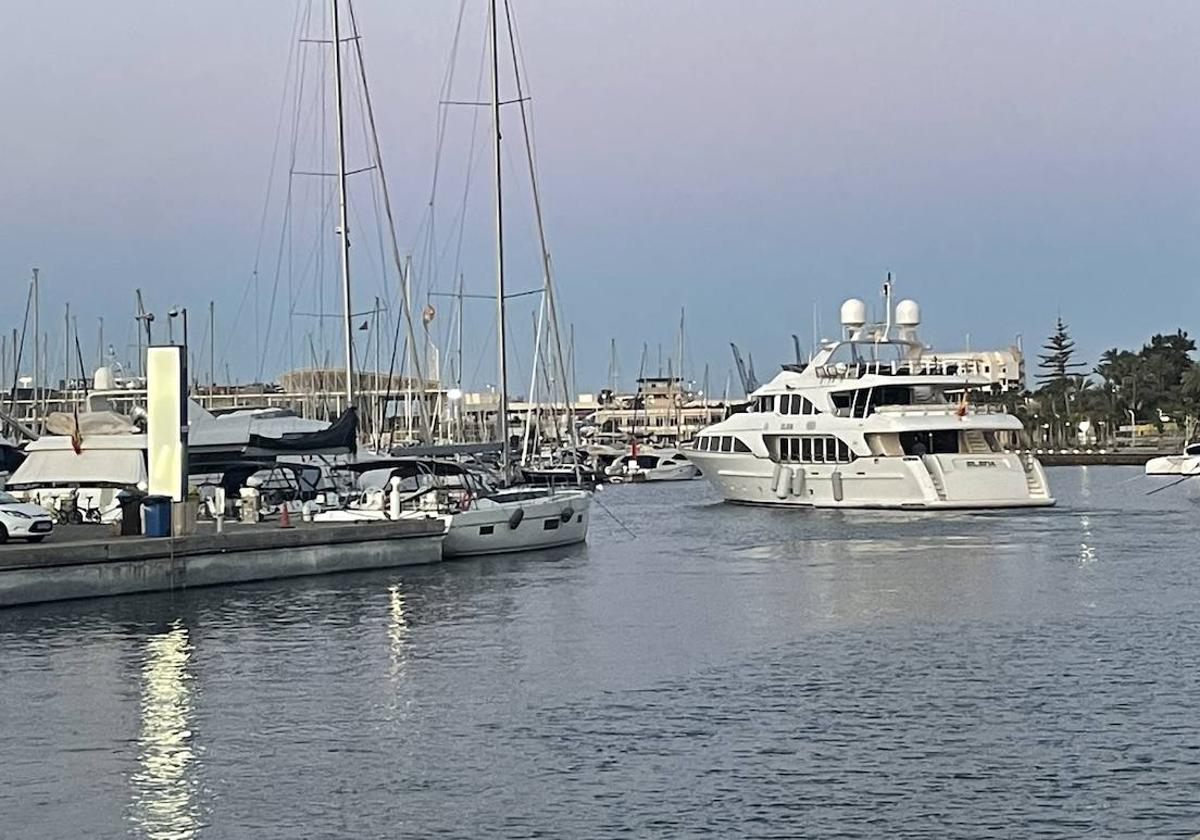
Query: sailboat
point(486, 516)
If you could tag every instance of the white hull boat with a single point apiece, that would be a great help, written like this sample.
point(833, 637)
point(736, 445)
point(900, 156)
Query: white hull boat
point(483, 519)
point(662, 465)
point(1185, 465)
point(519, 520)
point(876, 421)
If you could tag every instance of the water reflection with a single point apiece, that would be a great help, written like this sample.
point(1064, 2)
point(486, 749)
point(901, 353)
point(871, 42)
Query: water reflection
point(397, 630)
point(1087, 549)
point(164, 803)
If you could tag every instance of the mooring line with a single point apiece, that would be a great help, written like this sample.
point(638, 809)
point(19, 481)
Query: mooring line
point(603, 506)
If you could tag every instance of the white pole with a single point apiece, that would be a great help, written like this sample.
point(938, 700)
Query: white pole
point(343, 229)
point(502, 358)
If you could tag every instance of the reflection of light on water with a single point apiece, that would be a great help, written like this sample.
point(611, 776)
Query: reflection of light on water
point(397, 631)
point(163, 803)
point(1087, 552)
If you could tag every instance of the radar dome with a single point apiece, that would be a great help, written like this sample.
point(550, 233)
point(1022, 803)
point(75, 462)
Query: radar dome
point(104, 380)
point(908, 313)
point(854, 313)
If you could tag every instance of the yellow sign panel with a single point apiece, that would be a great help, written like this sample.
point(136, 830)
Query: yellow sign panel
point(166, 418)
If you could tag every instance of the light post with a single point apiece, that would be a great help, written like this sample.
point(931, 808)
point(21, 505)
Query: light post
point(172, 313)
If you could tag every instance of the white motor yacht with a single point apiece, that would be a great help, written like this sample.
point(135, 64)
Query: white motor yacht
point(652, 465)
point(876, 420)
point(1186, 464)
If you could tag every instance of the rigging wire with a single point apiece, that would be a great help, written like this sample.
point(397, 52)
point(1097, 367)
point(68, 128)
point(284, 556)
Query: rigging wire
point(253, 281)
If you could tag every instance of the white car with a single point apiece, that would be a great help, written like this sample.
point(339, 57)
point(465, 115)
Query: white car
point(23, 520)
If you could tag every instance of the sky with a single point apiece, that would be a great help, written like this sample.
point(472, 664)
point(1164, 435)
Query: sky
point(1008, 162)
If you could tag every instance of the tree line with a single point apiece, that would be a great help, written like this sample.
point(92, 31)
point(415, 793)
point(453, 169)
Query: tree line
point(1157, 385)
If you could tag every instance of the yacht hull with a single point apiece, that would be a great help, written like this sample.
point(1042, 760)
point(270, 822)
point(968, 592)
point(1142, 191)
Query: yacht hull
point(934, 482)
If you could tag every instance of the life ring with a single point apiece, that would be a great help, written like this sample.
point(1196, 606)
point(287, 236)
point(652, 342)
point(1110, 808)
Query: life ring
point(515, 519)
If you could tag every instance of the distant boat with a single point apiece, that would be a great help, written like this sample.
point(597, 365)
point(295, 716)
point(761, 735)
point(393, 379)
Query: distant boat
point(1185, 464)
point(652, 465)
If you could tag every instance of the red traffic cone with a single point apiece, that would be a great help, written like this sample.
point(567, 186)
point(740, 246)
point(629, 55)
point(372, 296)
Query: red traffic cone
point(285, 520)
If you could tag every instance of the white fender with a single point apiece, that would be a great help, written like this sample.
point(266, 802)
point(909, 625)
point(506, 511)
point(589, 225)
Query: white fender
point(798, 481)
point(783, 484)
point(835, 478)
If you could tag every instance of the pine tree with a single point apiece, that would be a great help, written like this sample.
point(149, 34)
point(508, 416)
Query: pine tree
point(1056, 365)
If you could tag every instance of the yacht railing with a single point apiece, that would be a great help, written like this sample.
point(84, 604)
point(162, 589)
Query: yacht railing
point(931, 367)
point(940, 410)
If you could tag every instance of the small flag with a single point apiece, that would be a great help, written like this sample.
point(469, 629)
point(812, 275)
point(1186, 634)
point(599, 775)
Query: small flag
point(427, 314)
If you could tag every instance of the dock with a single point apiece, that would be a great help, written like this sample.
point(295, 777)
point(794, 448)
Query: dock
point(1094, 457)
point(77, 562)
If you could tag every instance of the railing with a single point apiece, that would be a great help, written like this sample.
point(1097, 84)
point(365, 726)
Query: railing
point(940, 410)
point(845, 370)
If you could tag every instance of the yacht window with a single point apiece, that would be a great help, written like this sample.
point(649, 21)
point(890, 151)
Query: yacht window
point(702, 444)
point(807, 407)
point(726, 443)
point(739, 445)
point(893, 395)
point(842, 401)
point(484, 530)
point(942, 442)
point(550, 524)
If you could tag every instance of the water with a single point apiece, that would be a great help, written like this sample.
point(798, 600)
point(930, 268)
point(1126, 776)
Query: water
point(733, 672)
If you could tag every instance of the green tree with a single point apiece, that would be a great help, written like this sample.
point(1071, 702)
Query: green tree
point(1056, 364)
point(1059, 381)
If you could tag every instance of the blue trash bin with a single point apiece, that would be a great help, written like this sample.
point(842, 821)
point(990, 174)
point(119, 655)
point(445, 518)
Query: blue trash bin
point(158, 515)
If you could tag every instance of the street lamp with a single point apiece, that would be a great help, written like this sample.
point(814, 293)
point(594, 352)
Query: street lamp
point(172, 313)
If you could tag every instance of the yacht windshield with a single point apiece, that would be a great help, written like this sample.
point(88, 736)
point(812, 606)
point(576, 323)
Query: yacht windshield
point(863, 352)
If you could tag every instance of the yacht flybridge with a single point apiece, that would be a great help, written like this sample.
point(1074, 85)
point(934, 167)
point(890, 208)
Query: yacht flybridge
point(877, 420)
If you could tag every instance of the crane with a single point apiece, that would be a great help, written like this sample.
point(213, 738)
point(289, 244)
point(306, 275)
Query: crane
point(746, 374)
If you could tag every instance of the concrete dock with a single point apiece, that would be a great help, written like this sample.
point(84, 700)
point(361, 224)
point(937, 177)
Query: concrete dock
point(1095, 457)
point(78, 562)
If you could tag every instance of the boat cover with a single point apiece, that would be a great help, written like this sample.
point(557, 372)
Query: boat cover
point(105, 461)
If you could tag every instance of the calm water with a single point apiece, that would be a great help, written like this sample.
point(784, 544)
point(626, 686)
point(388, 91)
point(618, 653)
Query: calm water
point(731, 672)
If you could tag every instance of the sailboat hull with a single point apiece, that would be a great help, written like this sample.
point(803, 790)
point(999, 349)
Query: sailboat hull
point(519, 520)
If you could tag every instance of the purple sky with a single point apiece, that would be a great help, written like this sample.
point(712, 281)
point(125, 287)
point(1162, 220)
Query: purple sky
point(1008, 161)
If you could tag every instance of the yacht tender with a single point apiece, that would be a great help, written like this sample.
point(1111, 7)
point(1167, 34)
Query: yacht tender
point(876, 420)
point(1187, 464)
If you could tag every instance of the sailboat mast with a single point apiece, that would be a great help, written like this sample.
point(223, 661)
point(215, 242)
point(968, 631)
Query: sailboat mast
point(343, 230)
point(502, 358)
